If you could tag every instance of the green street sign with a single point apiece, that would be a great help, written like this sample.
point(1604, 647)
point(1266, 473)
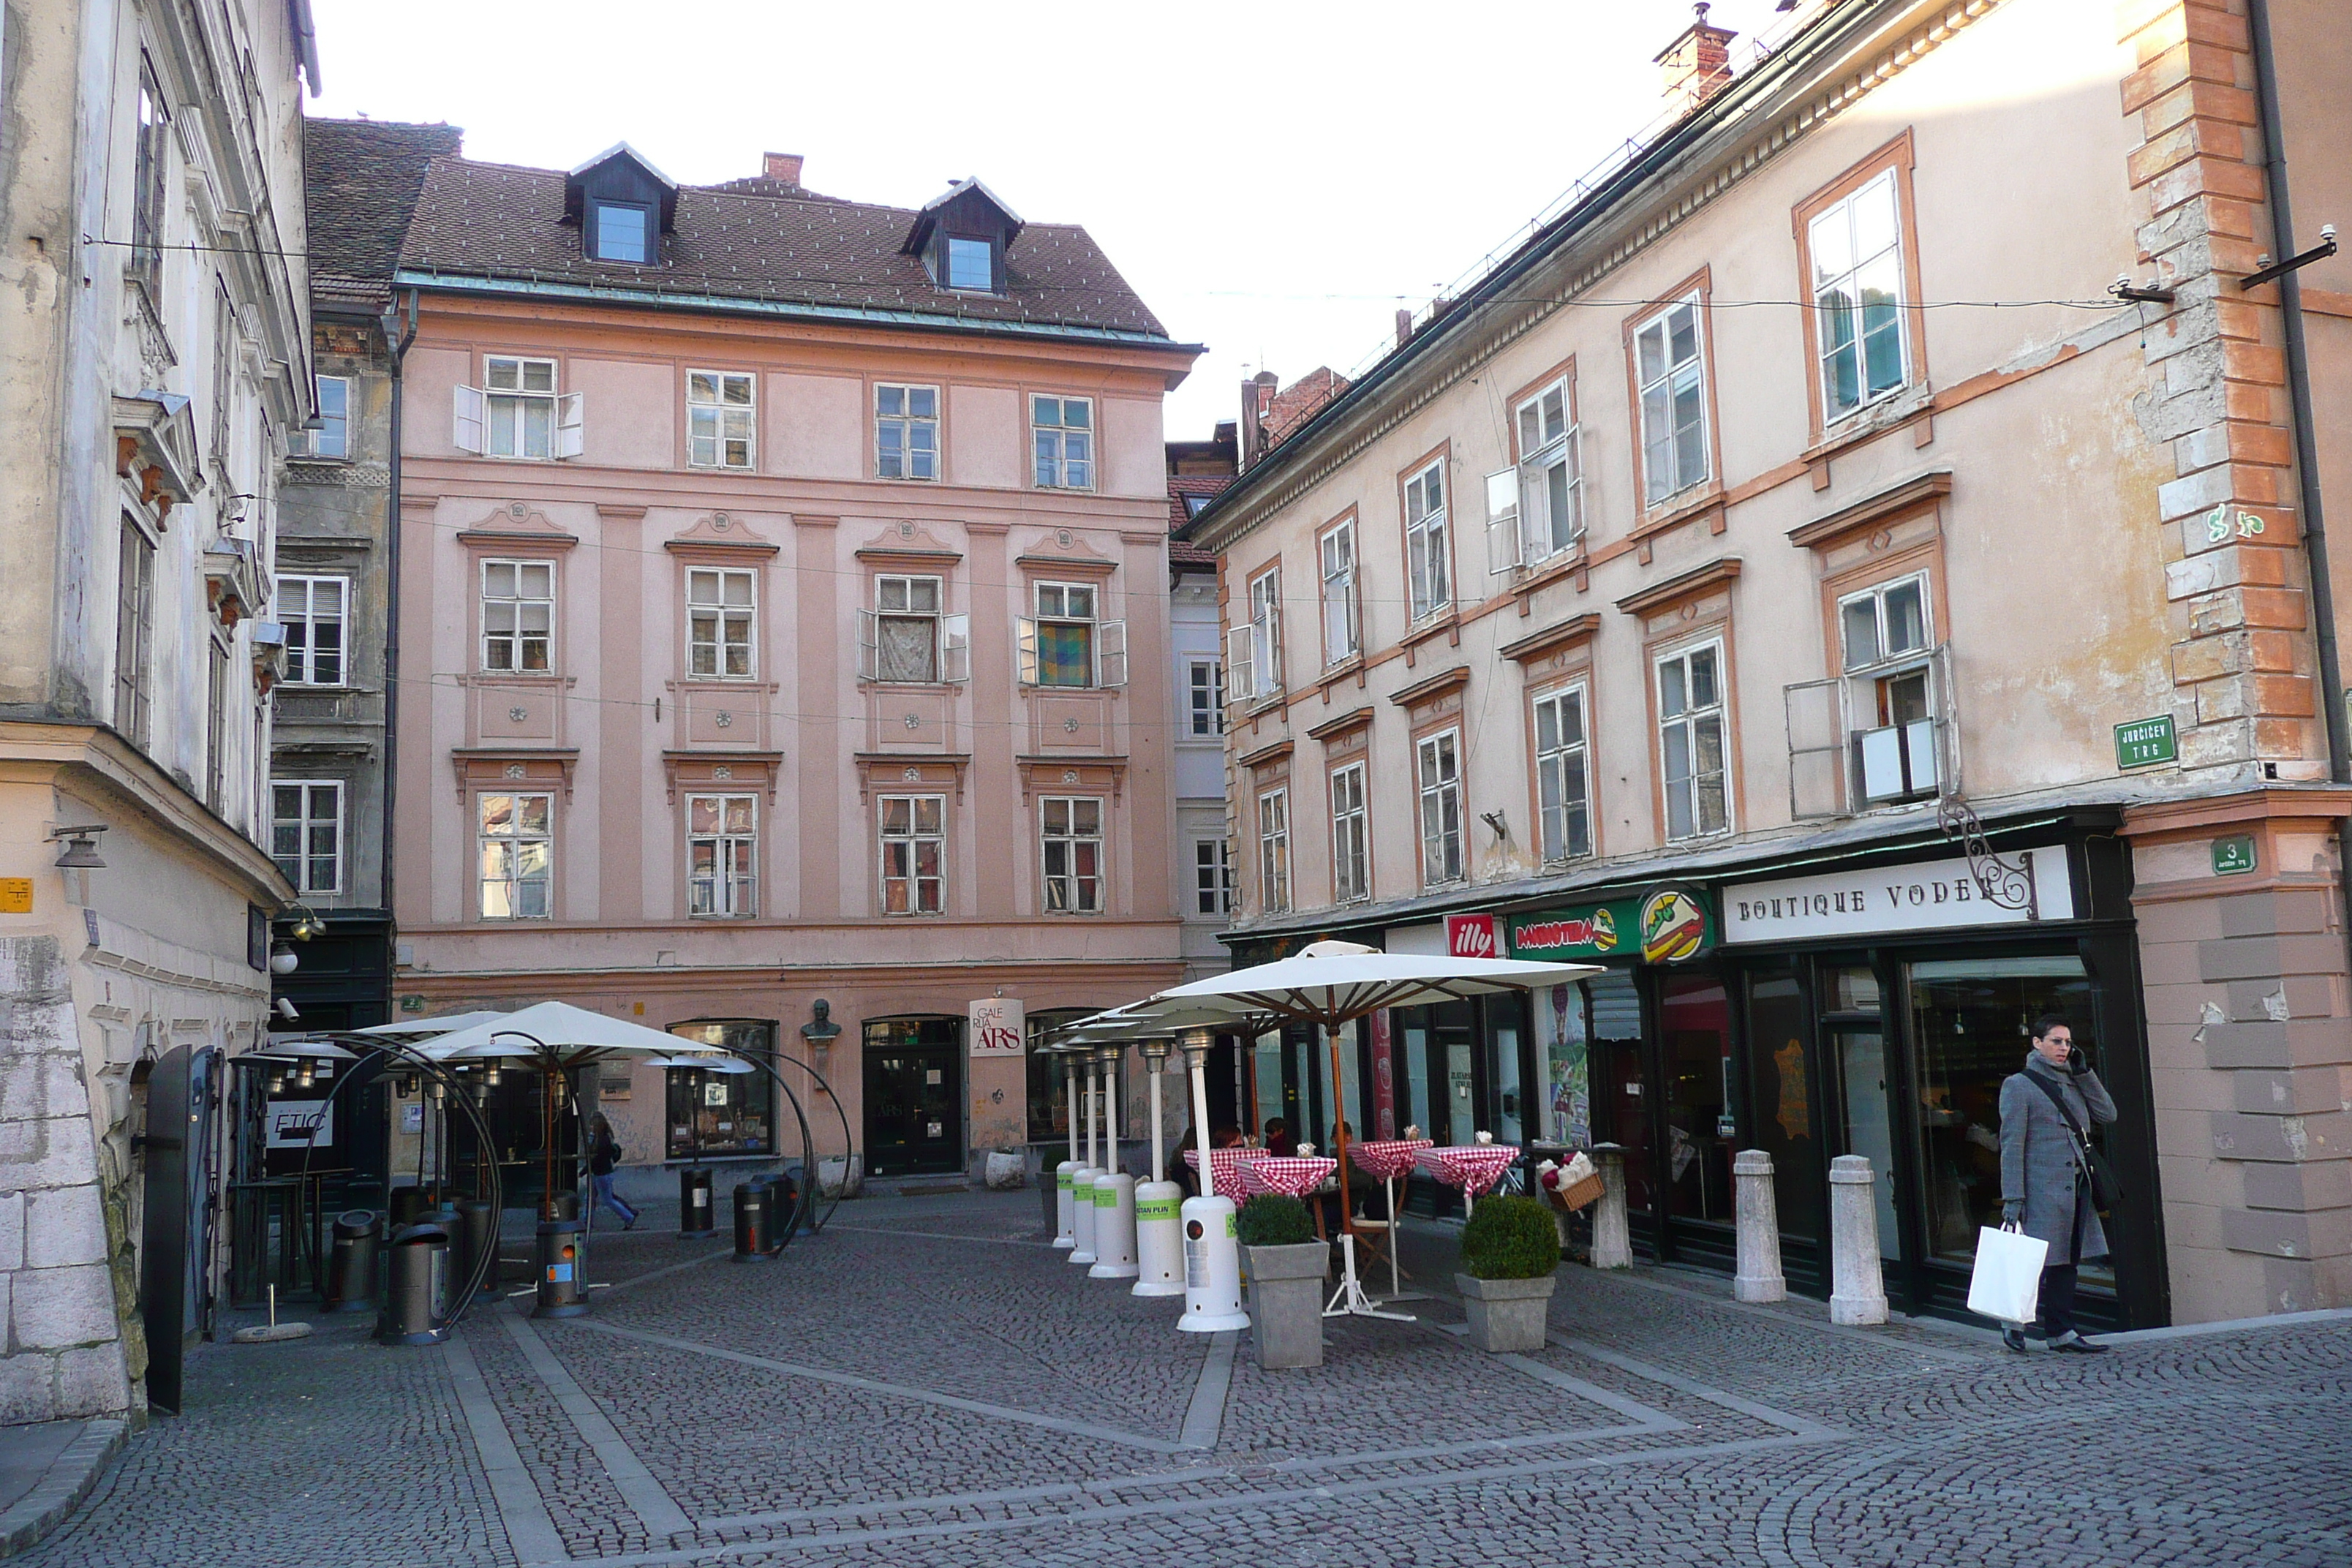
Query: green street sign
point(2234, 856)
point(2144, 742)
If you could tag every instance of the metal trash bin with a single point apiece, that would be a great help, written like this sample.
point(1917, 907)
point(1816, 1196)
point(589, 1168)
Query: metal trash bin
point(406, 1206)
point(784, 1210)
point(695, 1214)
point(563, 1270)
point(415, 1287)
point(477, 1237)
point(564, 1206)
point(752, 1221)
point(351, 1265)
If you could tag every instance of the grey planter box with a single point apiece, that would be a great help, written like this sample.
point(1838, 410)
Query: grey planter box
point(1507, 1316)
point(1287, 1302)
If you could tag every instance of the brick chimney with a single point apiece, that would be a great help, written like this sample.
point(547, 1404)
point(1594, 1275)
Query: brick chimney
point(783, 167)
point(1697, 65)
point(1257, 402)
point(1405, 326)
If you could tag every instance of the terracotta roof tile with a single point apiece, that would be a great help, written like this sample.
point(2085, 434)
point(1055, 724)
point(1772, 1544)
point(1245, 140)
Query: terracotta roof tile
point(1198, 487)
point(360, 180)
point(780, 244)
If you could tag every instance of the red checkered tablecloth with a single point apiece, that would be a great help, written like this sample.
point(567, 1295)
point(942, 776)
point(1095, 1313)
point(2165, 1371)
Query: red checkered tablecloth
point(1294, 1175)
point(1473, 1167)
point(1388, 1157)
point(1227, 1165)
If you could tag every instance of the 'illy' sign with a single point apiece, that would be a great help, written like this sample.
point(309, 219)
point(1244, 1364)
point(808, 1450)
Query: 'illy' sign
point(1472, 936)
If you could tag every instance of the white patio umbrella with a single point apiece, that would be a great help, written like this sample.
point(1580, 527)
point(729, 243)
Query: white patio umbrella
point(407, 1029)
point(1331, 984)
point(561, 1037)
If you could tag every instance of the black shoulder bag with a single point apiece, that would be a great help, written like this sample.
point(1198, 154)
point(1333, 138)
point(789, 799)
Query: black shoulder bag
point(2088, 1159)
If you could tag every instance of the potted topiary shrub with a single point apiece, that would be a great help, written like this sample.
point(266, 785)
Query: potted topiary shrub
point(1286, 1264)
point(1509, 1249)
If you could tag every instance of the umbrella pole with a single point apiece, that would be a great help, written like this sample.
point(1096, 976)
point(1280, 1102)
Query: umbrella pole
point(1350, 1299)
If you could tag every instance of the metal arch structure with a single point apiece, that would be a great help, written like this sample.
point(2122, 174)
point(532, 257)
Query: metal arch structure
point(373, 1047)
point(807, 1209)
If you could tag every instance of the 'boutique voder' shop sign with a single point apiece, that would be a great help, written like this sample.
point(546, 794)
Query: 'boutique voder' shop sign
point(1937, 895)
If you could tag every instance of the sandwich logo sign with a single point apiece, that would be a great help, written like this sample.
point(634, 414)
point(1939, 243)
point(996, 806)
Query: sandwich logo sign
point(1584, 934)
point(1669, 925)
point(1674, 926)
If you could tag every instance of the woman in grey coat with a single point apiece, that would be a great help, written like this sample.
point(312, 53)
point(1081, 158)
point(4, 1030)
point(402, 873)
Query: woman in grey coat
point(2043, 1189)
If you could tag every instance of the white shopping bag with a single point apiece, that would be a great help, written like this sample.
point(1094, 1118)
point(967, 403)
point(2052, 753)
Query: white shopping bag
point(2006, 1283)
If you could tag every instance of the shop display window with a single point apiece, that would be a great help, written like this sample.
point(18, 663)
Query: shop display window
point(1049, 1096)
point(1787, 1123)
point(1970, 1020)
point(1561, 1033)
point(1695, 1017)
point(712, 1113)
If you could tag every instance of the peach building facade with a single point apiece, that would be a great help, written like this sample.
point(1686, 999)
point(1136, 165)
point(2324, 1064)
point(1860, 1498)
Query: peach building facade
point(1792, 579)
point(784, 599)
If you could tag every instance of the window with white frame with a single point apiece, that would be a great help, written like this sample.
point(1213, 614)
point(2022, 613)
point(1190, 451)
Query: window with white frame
point(1886, 646)
point(1552, 486)
point(914, 853)
point(1205, 698)
point(518, 611)
point(1563, 776)
point(719, 419)
point(1274, 849)
point(1070, 834)
point(134, 634)
point(1213, 877)
point(517, 412)
point(1691, 741)
point(900, 639)
point(906, 432)
point(720, 611)
point(1265, 631)
point(1065, 644)
point(151, 150)
point(722, 855)
point(516, 843)
point(1856, 250)
point(312, 610)
point(1427, 551)
point(1335, 553)
point(306, 833)
point(333, 439)
point(1668, 364)
point(1063, 431)
point(1351, 837)
point(1438, 770)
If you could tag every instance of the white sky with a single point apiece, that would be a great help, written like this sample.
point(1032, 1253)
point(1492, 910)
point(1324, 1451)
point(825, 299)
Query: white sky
point(1275, 179)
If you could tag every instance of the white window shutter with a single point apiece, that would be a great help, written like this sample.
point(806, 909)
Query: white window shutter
point(569, 437)
point(1240, 683)
point(1502, 521)
point(1025, 650)
point(869, 639)
point(1817, 767)
point(955, 648)
point(1919, 743)
point(466, 434)
point(1110, 653)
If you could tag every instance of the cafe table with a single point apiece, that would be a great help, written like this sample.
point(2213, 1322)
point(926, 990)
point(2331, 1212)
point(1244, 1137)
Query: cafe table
point(1389, 1158)
point(1225, 1165)
point(1473, 1167)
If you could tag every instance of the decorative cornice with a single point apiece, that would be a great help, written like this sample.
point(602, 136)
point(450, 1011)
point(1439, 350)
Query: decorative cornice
point(1346, 723)
point(1425, 691)
point(1887, 504)
point(915, 770)
point(1267, 755)
point(1687, 585)
point(1541, 645)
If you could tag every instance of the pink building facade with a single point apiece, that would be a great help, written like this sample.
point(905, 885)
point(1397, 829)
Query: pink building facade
point(784, 598)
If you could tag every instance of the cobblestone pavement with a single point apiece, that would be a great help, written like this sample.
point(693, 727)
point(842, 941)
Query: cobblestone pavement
point(929, 1384)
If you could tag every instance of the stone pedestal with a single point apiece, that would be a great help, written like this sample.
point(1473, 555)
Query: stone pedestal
point(1758, 1216)
point(1857, 1288)
point(1612, 1243)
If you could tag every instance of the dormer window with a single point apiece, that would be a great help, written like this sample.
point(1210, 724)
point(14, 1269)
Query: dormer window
point(970, 264)
point(622, 231)
point(962, 236)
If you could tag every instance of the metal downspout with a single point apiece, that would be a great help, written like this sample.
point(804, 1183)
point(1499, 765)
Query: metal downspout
point(2306, 445)
point(396, 348)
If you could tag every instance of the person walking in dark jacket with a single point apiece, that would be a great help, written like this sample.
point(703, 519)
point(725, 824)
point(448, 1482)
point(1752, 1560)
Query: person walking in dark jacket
point(604, 1157)
point(2046, 1189)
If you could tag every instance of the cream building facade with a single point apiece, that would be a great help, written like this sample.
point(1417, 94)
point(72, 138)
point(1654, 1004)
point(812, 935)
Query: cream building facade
point(1795, 580)
point(154, 351)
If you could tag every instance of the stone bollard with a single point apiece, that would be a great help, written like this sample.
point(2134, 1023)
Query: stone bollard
point(1759, 1219)
point(1612, 1243)
point(1857, 1287)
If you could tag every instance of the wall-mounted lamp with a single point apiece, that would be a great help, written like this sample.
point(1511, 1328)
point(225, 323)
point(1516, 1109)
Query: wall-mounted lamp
point(1493, 819)
point(81, 852)
point(307, 924)
point(283, 960)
